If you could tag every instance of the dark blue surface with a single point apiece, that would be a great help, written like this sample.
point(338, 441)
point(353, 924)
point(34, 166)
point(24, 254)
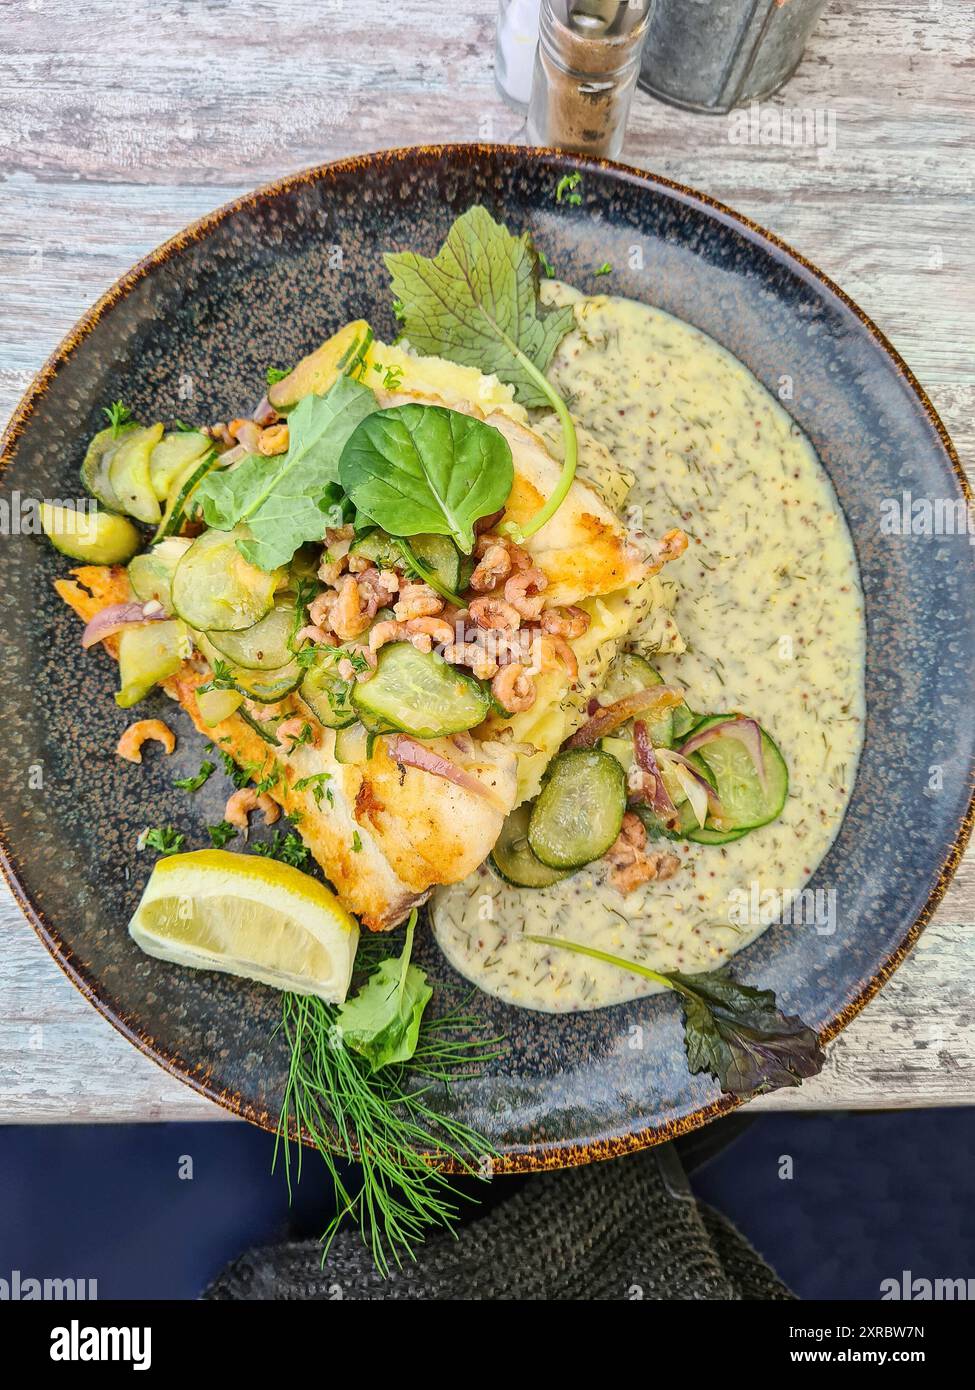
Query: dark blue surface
point(871, 1195)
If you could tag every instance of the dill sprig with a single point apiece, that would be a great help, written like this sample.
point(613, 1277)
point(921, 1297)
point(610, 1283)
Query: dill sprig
point(384, 1121)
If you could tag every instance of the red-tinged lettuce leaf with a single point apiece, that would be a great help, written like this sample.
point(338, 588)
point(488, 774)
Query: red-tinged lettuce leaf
point(738, 1035)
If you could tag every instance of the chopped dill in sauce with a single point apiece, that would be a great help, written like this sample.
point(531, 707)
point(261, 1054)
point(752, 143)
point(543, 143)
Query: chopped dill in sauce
point(771, 616)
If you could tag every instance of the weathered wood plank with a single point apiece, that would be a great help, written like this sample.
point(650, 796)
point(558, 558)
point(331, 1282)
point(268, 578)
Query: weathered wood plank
point(102, 159)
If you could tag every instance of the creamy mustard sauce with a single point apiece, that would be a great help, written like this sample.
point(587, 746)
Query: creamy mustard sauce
point(771, 612)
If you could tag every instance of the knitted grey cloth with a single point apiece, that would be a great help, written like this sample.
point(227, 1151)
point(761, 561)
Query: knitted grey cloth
point(627, 1229)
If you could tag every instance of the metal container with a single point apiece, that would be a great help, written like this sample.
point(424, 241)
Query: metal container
point(713, 55)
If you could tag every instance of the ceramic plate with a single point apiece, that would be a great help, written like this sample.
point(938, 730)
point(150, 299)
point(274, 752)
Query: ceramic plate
point(189, 332)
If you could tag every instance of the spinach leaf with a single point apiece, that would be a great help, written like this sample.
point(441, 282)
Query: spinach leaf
point(476, 302)
point(284, 499)
point(382, 1021)
point(421, 469)
point(731, 1030)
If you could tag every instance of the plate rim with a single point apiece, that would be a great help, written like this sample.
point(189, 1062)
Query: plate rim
point(541, 1157)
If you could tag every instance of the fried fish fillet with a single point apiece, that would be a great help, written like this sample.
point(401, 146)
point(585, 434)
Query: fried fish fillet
point(385, 835)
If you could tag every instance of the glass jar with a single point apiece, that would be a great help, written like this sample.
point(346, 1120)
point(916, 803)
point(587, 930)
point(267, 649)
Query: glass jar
point(514, 50)
point(586, 67)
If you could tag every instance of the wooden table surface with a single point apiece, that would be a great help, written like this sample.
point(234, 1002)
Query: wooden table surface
point(121, 122)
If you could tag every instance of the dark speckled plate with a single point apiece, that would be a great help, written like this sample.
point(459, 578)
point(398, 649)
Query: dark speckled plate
point(189, 332)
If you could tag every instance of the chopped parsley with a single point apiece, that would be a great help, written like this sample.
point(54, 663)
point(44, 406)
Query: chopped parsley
point(288, 848)
point(547, 266)
point(240, 776)
point(163, 839)
point(275, 374)
point(356, 841)
point(604, 269)
point(301, 738)
point(566, 188)
point(316, 784)
point(268, 781)
point(193, 784)
point(221, 833)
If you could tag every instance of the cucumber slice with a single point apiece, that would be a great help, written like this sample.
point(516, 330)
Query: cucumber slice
point(377, 546)
point(171, 458)
point(627, 674)
point(267, 687)
point(263, 647)
point(745, 805)
point(437, 556)
point(216, 589)
point(147, 654)
point(128, 474)
point(327, 695)
point(439, 560)
point(352, 744)
point(420, 694)
point(621, 749)
point(100, 538)
point(151, 573)
point(179, 502)
point(684, 721)
point(579, 811)
point(94, 470)
point(512, 858)
point(217, 705)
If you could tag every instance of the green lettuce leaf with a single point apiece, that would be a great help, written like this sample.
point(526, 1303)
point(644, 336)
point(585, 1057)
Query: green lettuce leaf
point(284, 500)
point(423, 469)
point(476, 302)
point(382, 1021)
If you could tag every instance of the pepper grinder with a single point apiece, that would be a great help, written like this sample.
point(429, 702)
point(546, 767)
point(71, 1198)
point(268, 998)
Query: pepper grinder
point(586, 66)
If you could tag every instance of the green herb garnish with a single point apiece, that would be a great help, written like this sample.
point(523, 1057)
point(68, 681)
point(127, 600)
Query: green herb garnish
point(382, 1021)
point(315, 784)
point(731, 1030)
point(383, 1120)
point(548, 268)
point(476, 302)
point(240, 776)
point(275, 374)
point(222, 679)
point(283, 500)
point(356, 842)
point(193, 784)
point(163, 839)
point(289, 848)
point(566, 188)
point(604, 269)
point(221, 833)
point(117, 415)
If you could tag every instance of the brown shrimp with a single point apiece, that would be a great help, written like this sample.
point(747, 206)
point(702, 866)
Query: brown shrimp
point(130, 744)
point(241, 803)
point(495, 613)
point(471, 654)
point(417, 601)
point(565, 622)
point(524, 592)
point(513, 688)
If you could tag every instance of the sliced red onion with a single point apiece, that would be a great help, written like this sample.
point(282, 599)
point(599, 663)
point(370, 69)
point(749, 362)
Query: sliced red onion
point(649, 703)
point(653, 792)
point(690, 777)
point(411, 753)
point(112, 619)
point(748, 731)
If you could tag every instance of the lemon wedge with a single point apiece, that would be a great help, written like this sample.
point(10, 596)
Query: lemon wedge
point(214, 910)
